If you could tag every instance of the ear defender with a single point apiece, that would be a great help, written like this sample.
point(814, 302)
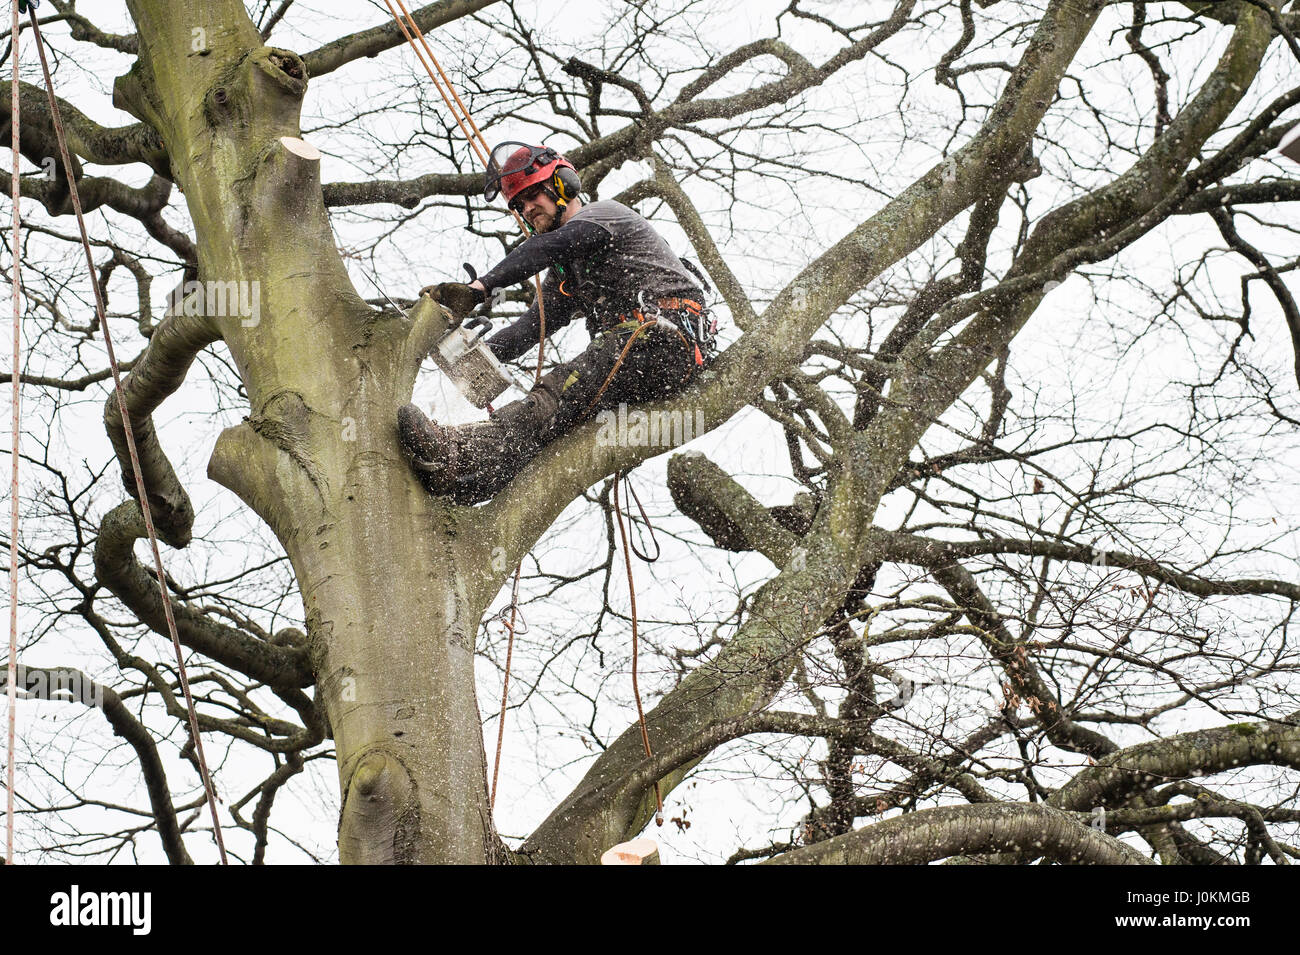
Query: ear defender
point(566, 184)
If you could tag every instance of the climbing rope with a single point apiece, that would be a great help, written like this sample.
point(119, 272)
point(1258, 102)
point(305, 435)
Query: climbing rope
point(411, 30)
point(636, 689)
point(12, 679)
point(645, 519)
point(142, 495)
point(465, 120)
point(505, 685)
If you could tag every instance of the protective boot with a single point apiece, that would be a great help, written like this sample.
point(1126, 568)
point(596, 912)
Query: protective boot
point(432, 449)
point(492, 452)
point(472, 463)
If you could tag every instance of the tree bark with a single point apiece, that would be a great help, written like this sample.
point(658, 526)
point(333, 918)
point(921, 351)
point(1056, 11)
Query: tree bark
point(932, 834)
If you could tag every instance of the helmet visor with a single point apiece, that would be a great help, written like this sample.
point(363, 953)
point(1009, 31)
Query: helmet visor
point(511, 159)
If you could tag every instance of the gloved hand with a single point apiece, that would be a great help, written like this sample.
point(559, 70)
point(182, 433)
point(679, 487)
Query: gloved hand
point(457, 297)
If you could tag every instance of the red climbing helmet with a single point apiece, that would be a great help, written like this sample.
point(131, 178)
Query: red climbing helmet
point(513, 167)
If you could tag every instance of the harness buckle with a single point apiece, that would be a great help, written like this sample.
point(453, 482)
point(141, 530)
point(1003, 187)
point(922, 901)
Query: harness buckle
point(651, 310)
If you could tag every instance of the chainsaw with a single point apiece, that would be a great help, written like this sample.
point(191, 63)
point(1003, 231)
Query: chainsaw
point(464, 357)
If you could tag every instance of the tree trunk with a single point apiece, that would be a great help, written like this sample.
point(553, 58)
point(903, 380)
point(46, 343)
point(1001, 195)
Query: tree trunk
point(391, 612)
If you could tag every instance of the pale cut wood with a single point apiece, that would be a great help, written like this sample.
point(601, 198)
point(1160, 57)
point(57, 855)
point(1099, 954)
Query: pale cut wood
point(300, 147)
point(636, 852)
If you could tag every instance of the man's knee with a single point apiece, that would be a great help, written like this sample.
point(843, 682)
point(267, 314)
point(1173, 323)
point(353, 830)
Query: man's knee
point(533, 411)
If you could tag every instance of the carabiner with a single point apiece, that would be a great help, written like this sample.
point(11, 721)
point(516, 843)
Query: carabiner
point(649, 311)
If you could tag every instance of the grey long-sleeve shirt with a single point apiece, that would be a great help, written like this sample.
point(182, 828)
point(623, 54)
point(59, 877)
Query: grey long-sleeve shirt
point(605, 255)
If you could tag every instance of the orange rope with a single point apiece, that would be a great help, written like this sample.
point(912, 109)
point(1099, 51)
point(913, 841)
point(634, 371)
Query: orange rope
point(475, 139)
point(141, 492)
point(636, 690)
point(636, 333)
point(12, 679)
point(480, 151)
point(505, 685)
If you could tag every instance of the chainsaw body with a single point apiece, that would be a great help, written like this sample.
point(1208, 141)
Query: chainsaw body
point(468, 361)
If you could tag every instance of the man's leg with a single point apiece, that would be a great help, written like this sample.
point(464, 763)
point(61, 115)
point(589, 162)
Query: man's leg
point(473, 462)
point(660, 364)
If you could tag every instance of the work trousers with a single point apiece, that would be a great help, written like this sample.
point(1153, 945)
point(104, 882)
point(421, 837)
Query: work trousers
point(488, 455)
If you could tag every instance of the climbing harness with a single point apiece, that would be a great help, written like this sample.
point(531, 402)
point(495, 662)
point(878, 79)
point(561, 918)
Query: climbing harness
point(693, 320)
point(142, 495)
point(640, 323)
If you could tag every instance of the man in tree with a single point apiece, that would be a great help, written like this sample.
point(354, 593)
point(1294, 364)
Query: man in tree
point(643, 312)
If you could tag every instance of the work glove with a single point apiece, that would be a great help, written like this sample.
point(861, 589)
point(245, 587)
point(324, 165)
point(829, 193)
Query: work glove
point(457, 297)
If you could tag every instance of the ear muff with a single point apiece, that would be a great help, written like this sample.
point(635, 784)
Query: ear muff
point(566, 184)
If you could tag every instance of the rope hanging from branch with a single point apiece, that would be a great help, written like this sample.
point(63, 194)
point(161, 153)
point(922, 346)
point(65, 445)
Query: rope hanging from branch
point(142, 495)
point(636, 689)
point(12, 677)
point(474, 136)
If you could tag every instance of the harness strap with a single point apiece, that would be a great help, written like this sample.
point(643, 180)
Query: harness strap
point(639, 324)
point(674, 304)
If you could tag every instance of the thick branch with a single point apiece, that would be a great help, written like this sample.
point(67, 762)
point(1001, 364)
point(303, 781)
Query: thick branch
point(928, 552)
point(48, 684)
point(1273, 191)
point(671, 191)
point(157, 374)
point(1127, 207)
point(116, 567)
point(82, 29)
point(931, 834)
point(406, 193)
point(87, 139)
point(1186, 756)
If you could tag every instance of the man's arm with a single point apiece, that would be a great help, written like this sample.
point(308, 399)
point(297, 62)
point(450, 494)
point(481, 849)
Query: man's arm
point(576, 239)
point(515, 339)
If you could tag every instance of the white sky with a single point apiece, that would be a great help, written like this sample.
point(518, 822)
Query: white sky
point(1065, 351)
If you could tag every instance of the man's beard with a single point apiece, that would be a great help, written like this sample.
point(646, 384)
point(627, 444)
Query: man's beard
point(545, 222)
